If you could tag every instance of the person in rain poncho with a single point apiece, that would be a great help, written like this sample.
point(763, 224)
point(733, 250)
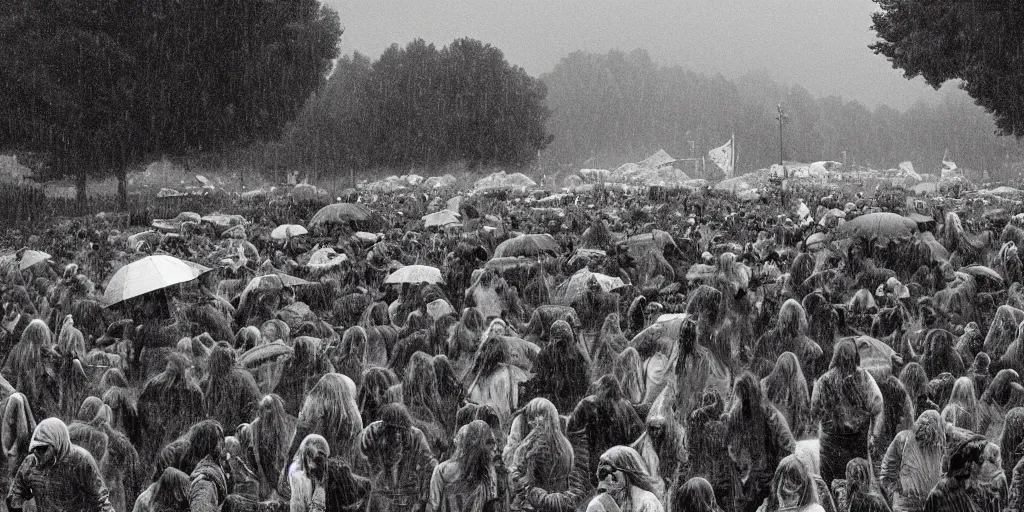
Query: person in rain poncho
point(169, 493)
point(696, 495)
point(466, 482)
point(607, 418)
point(958, 490)
point(913, 463)
point(855, 493)
point(400, 460)
point(962, 408)
point(846, 402)
point(663, 447)
point(791, 489)
point(624, 484)
point(563, 368)
point(537, 453)
point(786, 388)
point(58, 475)
point(307, 475)
point(265, 442)
point(494, 381)
point(757, 439)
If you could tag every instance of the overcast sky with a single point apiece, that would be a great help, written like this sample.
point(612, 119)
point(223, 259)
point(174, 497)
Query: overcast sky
point(821, 45)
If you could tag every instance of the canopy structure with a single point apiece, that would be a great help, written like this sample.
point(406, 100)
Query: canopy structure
point(415, 274)
point(287, 231)
point(149, 274)
point(32, 258)
point(527, 245)
point(881, 224)
point(340, 213)
point(578, 283)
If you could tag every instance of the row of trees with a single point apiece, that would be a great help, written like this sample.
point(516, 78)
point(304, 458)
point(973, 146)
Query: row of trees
point(615, 108)
point(101, 85)
point(423, 106)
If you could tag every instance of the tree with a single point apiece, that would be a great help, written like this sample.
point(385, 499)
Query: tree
point(422, 106)
point(101, 85)
point(978, 43)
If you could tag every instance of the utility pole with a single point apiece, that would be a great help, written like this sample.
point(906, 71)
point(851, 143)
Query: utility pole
point(781, 118)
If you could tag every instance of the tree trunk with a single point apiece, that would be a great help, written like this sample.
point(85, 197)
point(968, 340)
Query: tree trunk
point(80, 190)
point(122, 189)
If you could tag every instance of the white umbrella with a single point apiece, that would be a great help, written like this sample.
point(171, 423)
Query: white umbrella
point(32, 258)
point(287, 231)
point(149, 274)
point(441, 218)
point(413, 274)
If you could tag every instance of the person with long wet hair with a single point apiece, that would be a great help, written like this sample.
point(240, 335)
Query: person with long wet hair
point(307, 475)
point(374, 392)
point(791, 489)
point(466, 482)
point(786, 388)
point(962, 409)
point(400, 461)
point(607, 418)
point(695, 495)
point(493, 380)
point(757, 438)
point(170, 390)
point(913, 463)
point(330, 411)
point(847, 404)
point(265, 442)
point(32, 367)
point(563, 368)
point(624, 483)
point(230, 392)
point(537, 453)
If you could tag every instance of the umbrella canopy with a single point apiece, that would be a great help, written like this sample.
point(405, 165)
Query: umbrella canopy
point(577, 285)
point(265, 353)
point(836, 212)
point(286, 231)
point(147, 275)
point(441, 218)
point(527, 245)
point(325, 258)
point(414, 274)
point(509, 262)
point(816, 241)
point(881, 224)
point(32, 258)
point(340, 213)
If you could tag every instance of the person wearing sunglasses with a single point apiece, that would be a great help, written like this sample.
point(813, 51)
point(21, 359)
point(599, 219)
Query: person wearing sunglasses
point(625, 484)
point(58, 475)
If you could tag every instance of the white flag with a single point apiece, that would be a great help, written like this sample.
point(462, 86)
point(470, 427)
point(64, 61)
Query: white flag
point(722, 157)
point(908, 170)
point(949, 170)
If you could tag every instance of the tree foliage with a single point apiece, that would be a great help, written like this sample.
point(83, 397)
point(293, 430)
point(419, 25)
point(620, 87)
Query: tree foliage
point(615, 108)
point(421, 106)
point(980, 43)
point(103, 84)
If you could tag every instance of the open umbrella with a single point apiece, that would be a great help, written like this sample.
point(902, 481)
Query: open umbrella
point(577, 285)
point(31, 258)
point(527, 245)
point(816, 241)
point(881, 224)
point(147, 275)
point(262, 354)
point(287, 231)
point(414, 274)
point(340, 213)
point(441, 218)
point(325, 257)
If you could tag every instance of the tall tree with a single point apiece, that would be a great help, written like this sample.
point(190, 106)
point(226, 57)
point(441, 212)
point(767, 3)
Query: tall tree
point(101, 85)
point(979, 43)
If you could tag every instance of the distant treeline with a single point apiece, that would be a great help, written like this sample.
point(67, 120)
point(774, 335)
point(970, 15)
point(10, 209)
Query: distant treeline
point(424, 107)
point(421, 106)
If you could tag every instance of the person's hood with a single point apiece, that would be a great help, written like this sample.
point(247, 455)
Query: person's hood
point(52, 432)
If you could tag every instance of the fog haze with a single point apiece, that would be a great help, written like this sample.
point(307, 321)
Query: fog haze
point(821, 45)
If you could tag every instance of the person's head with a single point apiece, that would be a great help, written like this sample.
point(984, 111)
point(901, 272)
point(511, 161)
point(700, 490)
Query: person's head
point(749, 396)
point(492, 353)
point(696, 495)
point(206, 439)
point(50, 442)
point(541, 413)
point(171, 491)
point(373, 392)
point(396, 424)
point(791, 486)
point(845, 357)
point(929, 430)
point(312, 457)
point(560, 333)
point(621, 467)
point(915, 380)
point(967, 458)
point(331, 405)
point(858, 475)
point(792, 319)
point(474, 451)
point(964, 395)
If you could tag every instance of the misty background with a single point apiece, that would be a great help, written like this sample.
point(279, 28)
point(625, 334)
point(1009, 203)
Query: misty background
point(822, 46)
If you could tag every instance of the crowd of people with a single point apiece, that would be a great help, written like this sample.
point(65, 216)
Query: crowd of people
point(600, 351)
